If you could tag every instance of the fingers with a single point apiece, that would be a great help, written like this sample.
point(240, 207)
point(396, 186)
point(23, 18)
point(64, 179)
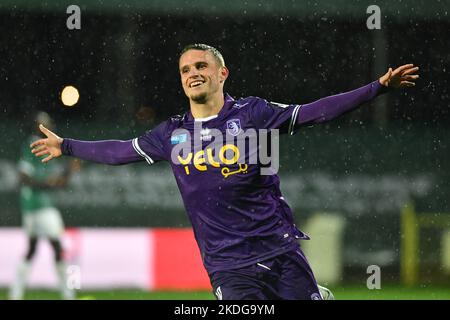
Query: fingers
point(45, 131)
point(389, 75)
point(384, 80)
point(42, 153)
point(403, 68)
point(38, 149)
point(47, 159)
point(38, 143)
point(410, 70)
point(410, 77)
point(407, 84)
point(404, 76)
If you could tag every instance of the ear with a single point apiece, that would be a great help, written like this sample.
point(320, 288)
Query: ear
point(224, 72)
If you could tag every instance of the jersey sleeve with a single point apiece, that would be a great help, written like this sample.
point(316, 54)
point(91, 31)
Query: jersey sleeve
point(151, 146)
point(273, 115)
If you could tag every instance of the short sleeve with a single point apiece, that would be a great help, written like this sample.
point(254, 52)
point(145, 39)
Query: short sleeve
point(273, 115)
point(150, 145)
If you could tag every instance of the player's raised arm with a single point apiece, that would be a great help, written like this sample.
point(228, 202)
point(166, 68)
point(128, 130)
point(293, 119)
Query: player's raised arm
point(331, 107)
point(148, 147)
point(113, 152)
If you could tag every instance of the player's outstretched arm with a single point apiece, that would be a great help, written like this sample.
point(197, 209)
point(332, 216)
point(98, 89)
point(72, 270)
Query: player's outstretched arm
point(113, 152)
point(331, 107)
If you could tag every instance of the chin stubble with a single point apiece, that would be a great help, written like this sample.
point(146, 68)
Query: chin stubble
point(200, 98)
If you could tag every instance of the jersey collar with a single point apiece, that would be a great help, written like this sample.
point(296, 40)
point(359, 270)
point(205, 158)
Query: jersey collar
point(228, 102)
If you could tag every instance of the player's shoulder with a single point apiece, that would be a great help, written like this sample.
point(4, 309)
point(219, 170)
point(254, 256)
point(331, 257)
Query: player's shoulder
point(165, 127)
point(178, 118)
point(175, 121)
point(248, 103)
point(250, 100)
point(258, 102)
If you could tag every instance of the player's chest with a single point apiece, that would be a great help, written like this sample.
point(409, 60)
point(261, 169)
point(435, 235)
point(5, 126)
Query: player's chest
point(221, 148)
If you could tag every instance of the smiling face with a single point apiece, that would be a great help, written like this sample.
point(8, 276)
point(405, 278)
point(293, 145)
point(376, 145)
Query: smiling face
point(202, 75)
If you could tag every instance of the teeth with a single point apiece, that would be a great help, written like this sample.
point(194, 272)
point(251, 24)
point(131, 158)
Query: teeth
point(196, 83)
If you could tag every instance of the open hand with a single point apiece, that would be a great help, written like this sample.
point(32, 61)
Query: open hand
point(401, 77)
point(50, 146)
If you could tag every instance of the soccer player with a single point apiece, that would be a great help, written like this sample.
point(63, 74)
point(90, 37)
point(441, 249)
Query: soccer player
point(40, 218)
point(243, 226)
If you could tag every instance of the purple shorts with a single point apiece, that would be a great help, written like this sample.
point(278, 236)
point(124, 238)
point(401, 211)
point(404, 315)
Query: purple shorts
point(287, 277)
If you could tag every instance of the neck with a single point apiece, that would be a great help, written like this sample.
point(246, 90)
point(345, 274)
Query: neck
point(210, 108)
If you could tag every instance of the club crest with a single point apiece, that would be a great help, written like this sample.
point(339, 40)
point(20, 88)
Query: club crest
point(234, 127)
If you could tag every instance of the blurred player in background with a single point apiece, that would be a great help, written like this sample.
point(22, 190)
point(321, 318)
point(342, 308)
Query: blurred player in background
point(40, 218)
point(244, 228)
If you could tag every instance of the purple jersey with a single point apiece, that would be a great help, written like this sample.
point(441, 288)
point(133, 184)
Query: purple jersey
point(238, 219)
